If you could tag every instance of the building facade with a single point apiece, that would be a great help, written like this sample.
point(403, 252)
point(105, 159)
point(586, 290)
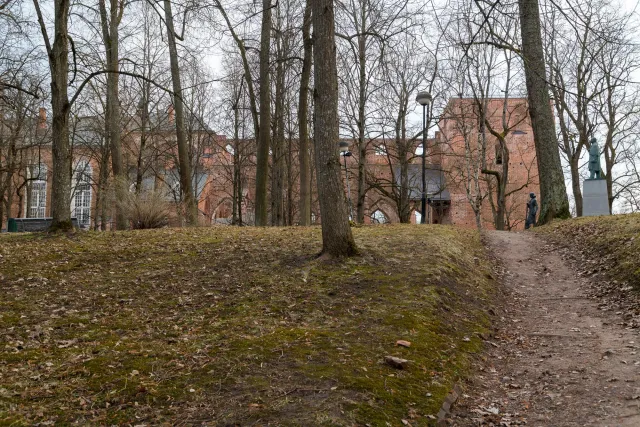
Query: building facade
point(458, 191)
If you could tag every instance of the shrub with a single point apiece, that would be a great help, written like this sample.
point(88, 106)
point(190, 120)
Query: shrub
point(146, 210)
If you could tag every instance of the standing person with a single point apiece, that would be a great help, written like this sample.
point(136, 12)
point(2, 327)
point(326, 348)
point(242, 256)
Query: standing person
point(532, 210)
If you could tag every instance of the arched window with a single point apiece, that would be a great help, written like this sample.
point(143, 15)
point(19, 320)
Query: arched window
point(38, 190)
point(378, 217)
point(81, 193)
point(418, 216)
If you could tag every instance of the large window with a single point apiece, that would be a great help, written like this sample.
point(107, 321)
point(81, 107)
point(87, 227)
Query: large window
point(81, 196)
point(38, 193)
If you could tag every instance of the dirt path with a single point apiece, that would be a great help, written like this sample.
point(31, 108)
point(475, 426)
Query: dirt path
point(556, 359)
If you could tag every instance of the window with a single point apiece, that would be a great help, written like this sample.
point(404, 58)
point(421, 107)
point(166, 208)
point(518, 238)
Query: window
point(498, 154)
point(230, 149)
point(378, 217)
point(81, 195)
point(381, 150)
point(38, 194)
point(418, 216)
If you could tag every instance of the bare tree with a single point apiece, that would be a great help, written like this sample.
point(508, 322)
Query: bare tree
point(58, 55)
point(365, 29)
point(303, 119)
point(337, 239)
point(191, 208)
point(554, 201)
point(264, 137)
point(110, 35)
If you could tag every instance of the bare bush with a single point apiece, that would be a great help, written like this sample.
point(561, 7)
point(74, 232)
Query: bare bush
point(147, 210)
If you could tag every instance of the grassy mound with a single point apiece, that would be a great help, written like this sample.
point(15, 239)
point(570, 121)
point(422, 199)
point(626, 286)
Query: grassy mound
point(236, 326)
point(608, 244)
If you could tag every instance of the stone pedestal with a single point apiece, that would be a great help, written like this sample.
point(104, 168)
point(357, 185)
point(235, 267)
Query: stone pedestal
point(595, 200)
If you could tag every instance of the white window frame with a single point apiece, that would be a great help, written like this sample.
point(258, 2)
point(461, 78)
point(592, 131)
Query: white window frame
point(38, 191)
point(82, 192)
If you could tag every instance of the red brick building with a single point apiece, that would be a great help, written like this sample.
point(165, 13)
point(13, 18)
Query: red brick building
point(224, 169)
point(464, 154)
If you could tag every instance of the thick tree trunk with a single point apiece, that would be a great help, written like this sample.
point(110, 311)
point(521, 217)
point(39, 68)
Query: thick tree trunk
point(264, 139)
point(110, 35)
point(554, 202)
point(184, 160)
point(337, 239)
point(303, 120)
point(61, 149)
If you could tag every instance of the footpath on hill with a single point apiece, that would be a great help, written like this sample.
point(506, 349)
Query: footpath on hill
point(557, 357)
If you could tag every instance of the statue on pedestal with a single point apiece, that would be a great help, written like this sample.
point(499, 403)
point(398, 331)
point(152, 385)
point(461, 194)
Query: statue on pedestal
point(595, 172)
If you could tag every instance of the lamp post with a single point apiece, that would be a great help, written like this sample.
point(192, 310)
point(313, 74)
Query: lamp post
point(424, 99)
point(344, 152)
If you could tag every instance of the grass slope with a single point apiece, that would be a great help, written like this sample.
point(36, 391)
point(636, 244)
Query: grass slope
point(609, 243)
point(228, 326)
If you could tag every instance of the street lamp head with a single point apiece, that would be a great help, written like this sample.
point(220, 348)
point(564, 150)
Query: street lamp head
point(344, 146)
point(423, 98)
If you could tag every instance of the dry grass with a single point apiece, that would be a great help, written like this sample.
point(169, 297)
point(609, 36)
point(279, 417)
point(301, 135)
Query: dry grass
point(229, 326)
point(609, 245)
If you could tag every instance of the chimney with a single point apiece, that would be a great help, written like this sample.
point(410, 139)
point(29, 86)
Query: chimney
point(42, 118)
point(172, 115)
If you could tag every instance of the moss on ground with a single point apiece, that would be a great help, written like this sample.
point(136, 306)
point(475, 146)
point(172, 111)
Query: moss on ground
point(230, 325)
point(607, 243)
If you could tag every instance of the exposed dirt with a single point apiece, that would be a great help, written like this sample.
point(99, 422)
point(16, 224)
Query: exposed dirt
point(558, 358)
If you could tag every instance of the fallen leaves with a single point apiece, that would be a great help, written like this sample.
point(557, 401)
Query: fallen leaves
point(158, 326)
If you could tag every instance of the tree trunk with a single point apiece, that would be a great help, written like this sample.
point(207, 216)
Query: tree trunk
point(236, 166)
point(184, 160)
point(61, 150)
point(404, 210)
point(554, 201)
point(303, 120)
point(609, 162)
point(110, 35)
point(290, 177)
point(337, 239)
point(362, 146)
point(575, 184)
point(103, 184)
point(264, 139)
point(277, 156)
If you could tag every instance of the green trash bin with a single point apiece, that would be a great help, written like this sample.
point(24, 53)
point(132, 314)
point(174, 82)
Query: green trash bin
point(12, 225)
